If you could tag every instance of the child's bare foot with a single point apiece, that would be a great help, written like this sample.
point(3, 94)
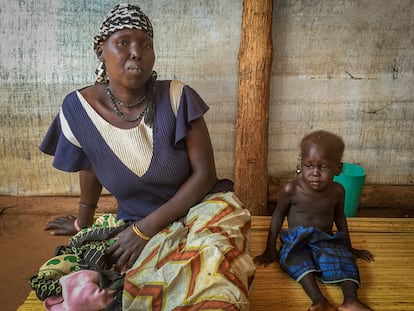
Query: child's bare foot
point(322, 306)
point(354, 305)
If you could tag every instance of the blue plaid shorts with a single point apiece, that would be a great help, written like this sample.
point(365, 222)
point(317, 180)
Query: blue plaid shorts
point(307, 250)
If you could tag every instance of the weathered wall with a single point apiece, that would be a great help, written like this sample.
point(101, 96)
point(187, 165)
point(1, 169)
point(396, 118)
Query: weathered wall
point(346, 66)
point(46, 52)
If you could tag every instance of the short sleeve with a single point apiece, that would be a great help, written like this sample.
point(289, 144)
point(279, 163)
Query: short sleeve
point(68, 157)
point(191, 108)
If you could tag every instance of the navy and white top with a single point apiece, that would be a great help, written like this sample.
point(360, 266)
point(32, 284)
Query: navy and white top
point(142, 167)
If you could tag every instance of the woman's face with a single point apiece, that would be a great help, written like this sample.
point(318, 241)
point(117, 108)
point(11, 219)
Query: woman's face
point(129, 57)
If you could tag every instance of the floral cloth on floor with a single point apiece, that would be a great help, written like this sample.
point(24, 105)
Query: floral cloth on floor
point(85, 251)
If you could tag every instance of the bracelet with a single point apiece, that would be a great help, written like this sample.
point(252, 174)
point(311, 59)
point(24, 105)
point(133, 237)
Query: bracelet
point(85, 205)
point(140, 233)
point(76, 225)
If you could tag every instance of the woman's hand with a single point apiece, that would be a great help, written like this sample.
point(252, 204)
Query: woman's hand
point(62, 225)
point(126, 249)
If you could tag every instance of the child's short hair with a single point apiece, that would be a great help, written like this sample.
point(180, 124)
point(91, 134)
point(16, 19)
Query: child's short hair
point(325, 138)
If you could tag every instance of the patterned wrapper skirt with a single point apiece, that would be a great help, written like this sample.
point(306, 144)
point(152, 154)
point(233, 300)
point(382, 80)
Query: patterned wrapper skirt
point(201, 262)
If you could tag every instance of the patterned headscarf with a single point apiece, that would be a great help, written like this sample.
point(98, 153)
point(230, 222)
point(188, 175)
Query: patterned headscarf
point(122, 16)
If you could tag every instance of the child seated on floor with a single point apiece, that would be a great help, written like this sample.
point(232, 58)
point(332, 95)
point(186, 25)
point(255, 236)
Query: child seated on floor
point(309, 248)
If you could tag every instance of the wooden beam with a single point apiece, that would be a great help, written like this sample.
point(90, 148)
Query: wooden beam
point(255, 62)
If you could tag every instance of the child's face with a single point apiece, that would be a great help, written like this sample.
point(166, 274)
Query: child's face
point(319, 167)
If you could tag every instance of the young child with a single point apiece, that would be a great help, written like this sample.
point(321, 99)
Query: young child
point(312, 204)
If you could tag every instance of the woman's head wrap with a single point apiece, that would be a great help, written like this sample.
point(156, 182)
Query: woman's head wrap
point(122, 16)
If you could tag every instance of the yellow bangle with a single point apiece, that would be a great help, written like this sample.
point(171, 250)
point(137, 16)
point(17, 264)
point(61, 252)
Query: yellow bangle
point(140, 233)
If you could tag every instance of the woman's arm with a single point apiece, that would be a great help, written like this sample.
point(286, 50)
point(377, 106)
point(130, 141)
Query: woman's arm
point(203, 177)
point(91, 190)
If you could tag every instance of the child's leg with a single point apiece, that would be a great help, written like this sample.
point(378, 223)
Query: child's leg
point(351, 301)
point(319, 302)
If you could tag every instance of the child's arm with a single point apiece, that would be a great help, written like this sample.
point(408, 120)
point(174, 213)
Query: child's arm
point(342, 226)
point(270, 254)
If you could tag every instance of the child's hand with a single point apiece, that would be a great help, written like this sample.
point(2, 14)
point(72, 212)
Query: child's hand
point(266, 258)
point(363, 254)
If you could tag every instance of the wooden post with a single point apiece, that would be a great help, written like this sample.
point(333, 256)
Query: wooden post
point(255, 62)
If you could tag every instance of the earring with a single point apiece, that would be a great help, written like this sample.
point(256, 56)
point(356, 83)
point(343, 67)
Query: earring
point(298, 167)
point(154, 75)
point(101, 73)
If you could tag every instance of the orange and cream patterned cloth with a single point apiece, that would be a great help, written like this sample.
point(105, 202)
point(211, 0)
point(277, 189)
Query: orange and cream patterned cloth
point(201, 262)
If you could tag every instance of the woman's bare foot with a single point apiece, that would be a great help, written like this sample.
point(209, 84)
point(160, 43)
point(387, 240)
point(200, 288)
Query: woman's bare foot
point(322, 306)
point(354, 305)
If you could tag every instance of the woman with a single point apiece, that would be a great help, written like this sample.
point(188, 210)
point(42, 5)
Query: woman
point(184, 234)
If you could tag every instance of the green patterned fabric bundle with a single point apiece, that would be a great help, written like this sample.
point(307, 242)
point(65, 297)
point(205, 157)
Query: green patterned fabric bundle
point(85, 250)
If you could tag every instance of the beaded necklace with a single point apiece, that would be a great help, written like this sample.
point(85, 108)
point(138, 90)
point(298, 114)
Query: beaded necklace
point(120, 114)
point(114, 99)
